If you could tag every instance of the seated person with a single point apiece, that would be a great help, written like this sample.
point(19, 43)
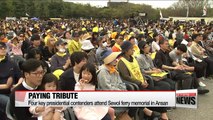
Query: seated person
point(147, 66)
point(163, 61)
point(61, 59)
point(9, 74)
point(88, 81)
point(69, 77)
point(129, 70)
point(33, 75)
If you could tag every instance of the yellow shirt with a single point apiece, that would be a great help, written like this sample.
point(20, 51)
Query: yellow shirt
point(74, 46)
point(134, 69)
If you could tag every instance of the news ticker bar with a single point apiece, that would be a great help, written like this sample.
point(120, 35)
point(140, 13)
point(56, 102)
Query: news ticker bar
point(180, 98)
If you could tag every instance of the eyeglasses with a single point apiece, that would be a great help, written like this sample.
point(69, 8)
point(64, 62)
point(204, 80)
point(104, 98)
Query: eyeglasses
point(40, 73)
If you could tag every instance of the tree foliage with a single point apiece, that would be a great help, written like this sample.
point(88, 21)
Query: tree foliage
point(59, 8)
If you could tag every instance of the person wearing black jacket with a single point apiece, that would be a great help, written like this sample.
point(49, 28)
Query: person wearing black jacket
point(33, 74)
point(69, 78)
point(9, 74)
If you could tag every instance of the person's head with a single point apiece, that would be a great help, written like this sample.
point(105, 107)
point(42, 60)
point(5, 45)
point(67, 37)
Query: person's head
point(102, 42)
point(2, 35)
point(67, 35)
point(75, 35)
point(87, 45)
point(181, 49)
point(15, 40)
point(36, 41)
point(109, 57)
point(33, 72)
point(119, 39)
point(140, 37)
point(205, 37)
point(127, 48)
point(60, 46)
point(164, 45)
point(88, 73)
point(3, 49)
point(34, 53)
point(189, 40)
point(49, 32)
point(196, 37)
point(78, 59)
point(144, 47)
point(156, 36)
point(51, 41)
point(49, 82)
point(21, 36)
point(132, 40)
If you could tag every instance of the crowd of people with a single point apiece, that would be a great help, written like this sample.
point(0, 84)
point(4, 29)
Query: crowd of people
point(101, 54)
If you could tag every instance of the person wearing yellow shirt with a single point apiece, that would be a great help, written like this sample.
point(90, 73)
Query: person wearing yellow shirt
point(74, 45)
point(135, 47)
point(49, 35)
point(129, 70)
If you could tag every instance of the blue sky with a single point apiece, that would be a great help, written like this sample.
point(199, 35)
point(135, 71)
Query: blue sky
point(153, 3)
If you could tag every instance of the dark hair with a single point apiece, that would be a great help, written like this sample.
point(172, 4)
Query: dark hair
point(90, 68)
point(48, 78)
point(30, 65)
point(35, 37)
point(162, 41)
point(141, 46)
point(132, 37)
point(77, 57)
point(182, 48)
point(64, 35)
point(117, 35)
point(205, 37)
point(33, 52)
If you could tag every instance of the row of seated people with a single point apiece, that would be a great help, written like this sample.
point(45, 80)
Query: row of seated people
point(159, 83)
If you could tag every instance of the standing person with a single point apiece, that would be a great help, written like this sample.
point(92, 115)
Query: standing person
point(71, 76)
point(9, 74)
point(88, 81)
point(61, 59)
point(50, 83)
point(33, 74)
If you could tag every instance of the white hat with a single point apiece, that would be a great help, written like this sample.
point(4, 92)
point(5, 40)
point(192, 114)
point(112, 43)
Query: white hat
point(184, 42)
point(87, 45)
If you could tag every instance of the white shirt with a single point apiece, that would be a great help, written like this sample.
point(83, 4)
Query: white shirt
point(76, 76)
point(27, 86)
point(155, 47)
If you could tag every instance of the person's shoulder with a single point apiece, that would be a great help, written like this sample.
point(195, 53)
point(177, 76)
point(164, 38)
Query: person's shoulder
point(67, 73)
point(19, 87)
